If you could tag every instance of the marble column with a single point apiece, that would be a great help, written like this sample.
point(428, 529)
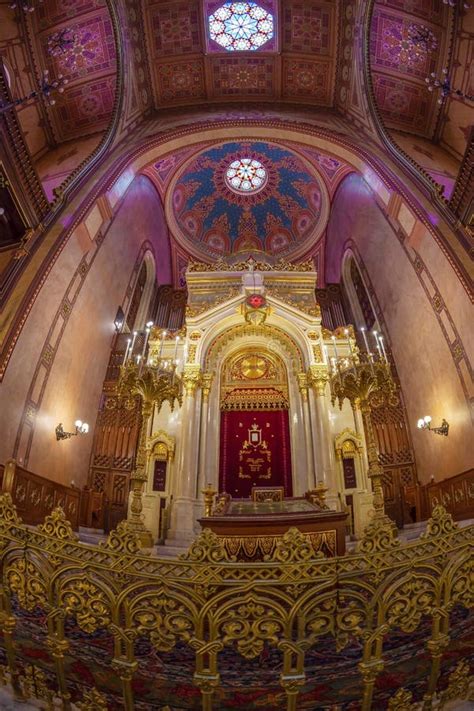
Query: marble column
point(318, 377)
point(202, 478)
point(310, 473)
point(182, 515)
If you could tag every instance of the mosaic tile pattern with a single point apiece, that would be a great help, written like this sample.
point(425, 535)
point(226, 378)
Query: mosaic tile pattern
point(175, 28)
point(279, 217)
point(307, 79)
point(181, 80)
point(233, 76)
point(307, 27)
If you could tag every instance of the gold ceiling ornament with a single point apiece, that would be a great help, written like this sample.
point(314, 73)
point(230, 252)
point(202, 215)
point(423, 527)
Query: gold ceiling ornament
point(207, 600)
point(155, 384)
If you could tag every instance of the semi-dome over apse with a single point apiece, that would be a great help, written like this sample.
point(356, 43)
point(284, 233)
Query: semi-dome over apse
point(243, 197)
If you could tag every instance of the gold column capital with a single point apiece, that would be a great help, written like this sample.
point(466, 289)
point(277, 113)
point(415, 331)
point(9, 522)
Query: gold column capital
point(303, 385)
point(191, 378)
point(318, 377)
point(206, 382)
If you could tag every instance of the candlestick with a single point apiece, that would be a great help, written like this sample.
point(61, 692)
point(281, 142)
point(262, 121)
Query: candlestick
point(377, 344)
point(147, 334)
point(129, 340)
point(365, 338)
point(135, 333)
point(383, 347)
point(162, 342)
point(176, 347)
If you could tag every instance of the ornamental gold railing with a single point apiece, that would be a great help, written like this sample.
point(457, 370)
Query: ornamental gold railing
point(208, 602)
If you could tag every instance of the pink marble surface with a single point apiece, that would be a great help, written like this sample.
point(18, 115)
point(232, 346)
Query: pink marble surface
point(74, 386)
point(430, 381)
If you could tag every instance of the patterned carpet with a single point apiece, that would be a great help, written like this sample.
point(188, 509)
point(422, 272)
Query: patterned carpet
point(166, 679)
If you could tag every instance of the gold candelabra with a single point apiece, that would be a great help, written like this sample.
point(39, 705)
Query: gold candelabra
point(156, 382)
point(363, 380)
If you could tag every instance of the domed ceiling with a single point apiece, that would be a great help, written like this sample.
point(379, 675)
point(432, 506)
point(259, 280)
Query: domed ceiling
point(245, 197)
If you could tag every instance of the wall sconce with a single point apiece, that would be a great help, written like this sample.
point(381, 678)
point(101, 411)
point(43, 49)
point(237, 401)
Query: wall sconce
point(119, 319)
point(81, 428)
point(424, 423)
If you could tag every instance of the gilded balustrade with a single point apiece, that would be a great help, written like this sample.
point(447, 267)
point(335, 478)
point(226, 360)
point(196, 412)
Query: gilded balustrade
point(207, 602)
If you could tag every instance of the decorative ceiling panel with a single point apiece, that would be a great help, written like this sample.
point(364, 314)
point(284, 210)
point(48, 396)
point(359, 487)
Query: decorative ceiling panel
point(234, 76)
point(298, 63)
point(85, 108)
point(409, 40)
point(181, 80)
point(404, 103)
point(215, 208)
point(75, 38)
point(174, 28)
point(308, 27)
point(307, 80)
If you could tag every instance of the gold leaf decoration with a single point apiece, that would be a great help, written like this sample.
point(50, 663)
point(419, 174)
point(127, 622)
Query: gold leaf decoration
point(458, 685)
point(56, 525)
point(87, 603)
point(24, 580)
point(379, 535)
point(294, 547)
point(250, 626)
point(8, 514)
point(441, 522)
point(122, 540)
point(207, 548)
point(92, 700)
point(401, 701)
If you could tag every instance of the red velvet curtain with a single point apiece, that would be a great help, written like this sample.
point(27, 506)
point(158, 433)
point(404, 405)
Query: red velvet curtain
point(255, 451)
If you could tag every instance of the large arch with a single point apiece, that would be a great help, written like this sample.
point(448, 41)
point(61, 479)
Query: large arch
point(423, 315)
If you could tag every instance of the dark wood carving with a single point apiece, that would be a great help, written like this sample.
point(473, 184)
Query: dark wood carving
point(35, 496)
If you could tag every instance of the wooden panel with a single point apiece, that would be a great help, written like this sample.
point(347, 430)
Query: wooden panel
point(456, 494)
point(35, 496)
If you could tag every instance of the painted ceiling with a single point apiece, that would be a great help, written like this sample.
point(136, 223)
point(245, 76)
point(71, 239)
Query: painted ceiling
point(75, 38)
point(283, 216)
point(408, 41)
point(297, 64)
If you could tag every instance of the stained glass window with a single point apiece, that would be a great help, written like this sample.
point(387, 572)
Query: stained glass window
point(241, 26)
point(246, 175)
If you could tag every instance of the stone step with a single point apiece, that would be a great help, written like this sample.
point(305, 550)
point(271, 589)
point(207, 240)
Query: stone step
point(95, 531)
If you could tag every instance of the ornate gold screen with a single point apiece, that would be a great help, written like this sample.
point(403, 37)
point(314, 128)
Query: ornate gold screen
point(254, 379)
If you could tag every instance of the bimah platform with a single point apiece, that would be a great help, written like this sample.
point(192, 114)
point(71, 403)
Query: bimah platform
point(250, 529)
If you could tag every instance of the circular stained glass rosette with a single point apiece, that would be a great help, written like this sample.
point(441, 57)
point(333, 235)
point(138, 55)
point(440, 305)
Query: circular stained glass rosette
point(240, 26)
point(245, 176)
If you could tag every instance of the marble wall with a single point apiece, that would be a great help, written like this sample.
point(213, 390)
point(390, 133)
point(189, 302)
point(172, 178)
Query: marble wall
point(428, 319)
point(57, 368)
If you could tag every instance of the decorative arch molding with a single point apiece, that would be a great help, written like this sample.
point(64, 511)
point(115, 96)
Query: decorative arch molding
point(422, 179)
point(118, 173)
point(162, 445)
point(219, 345)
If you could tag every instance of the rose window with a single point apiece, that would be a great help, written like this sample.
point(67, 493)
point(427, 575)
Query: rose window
point(240, 26)
point(245, 175)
